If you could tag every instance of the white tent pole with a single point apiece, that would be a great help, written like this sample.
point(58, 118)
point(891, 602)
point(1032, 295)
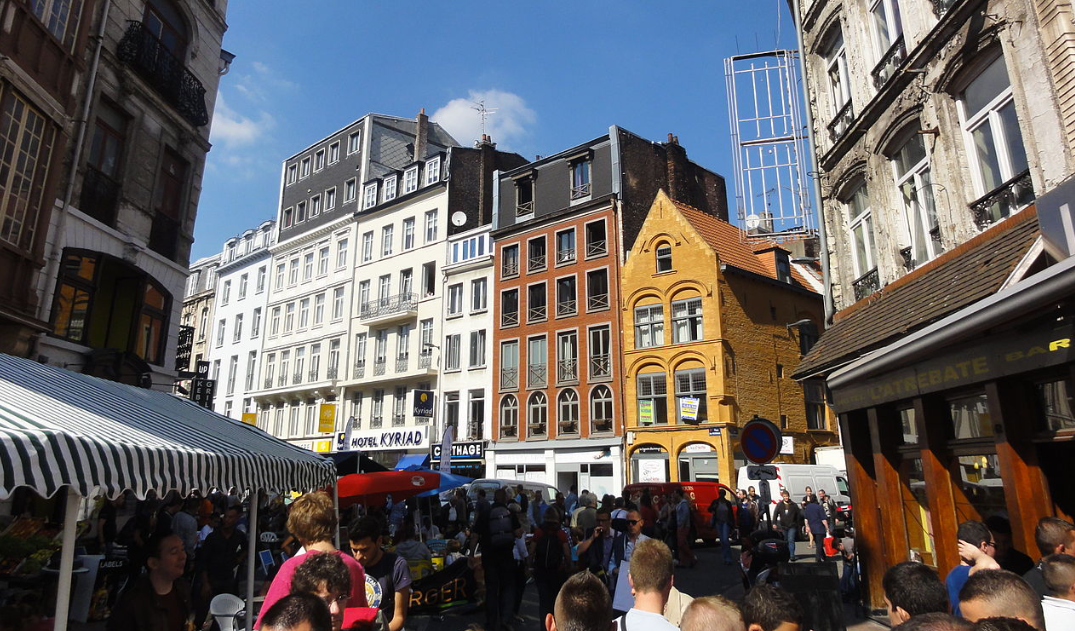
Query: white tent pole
point(336, 505)
point(67, 560)
point(251, 554)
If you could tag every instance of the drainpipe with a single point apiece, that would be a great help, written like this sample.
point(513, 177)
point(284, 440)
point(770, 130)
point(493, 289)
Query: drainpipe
point(52, 268)
point(826, 276)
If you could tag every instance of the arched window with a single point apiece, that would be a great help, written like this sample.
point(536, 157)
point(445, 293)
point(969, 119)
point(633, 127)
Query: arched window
point(509, 417)
point(164, 21)
point(600, 410)
point(567, 413)
point(537, 415)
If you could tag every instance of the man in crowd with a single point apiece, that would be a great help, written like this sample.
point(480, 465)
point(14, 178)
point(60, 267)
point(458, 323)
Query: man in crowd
point(913, 589)
point(327, 577)
point(935, 622)
point(818, 523)
point(786, 518)
point(572, 499)
point(550, 559)
point(769, 608)
point(388, 578)
point(623, 548)
point(1052, 536)
point(651, 581)
point(976, 549)
point(297, 612)
point(998, 593)
point(498, 530)
point(829, 505)
point(218, 557)
point(595, 552)
point(1059, 605)
point(1006, 555)
point(683, 530)
point(584, 604)
point(712, 613)
point(585, 516)
point(159, 600)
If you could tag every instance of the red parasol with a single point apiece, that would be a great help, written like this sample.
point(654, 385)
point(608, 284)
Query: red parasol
point(373, 488)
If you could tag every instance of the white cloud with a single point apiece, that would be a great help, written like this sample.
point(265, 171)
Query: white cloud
point(262, 83)
point(232, 129)
point(508, 120)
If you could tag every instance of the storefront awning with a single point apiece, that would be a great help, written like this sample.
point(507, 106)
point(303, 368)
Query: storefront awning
point(412, 460)
point(61, 428)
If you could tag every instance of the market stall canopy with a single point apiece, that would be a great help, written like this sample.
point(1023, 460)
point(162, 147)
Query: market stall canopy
point(348, 462)
point(448, 481)
point(60, 428)
point(374, 488)
point(410, 461)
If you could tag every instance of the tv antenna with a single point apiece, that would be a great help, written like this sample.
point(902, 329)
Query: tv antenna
point(483, 112)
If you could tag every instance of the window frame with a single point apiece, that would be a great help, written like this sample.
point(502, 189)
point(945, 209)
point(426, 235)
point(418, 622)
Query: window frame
point(916, 215)
point(432, 171)
point(663, 261)
point(410, 179)
point(655, 327)
point(692, 320)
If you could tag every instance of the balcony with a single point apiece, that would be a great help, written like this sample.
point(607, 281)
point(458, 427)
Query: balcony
point(509, 431)
point(841, 122)
point(600, 366)
point(100, 196)
point(536, 263)
point(525, 208)
point(389, 308)
point(360, 370)
point(402, 363)
point(537, 376)
point(379, 367)
point(567, 370)
point(890, 62)
point(425, 360)
point(596, 248)
point(421, 420)
point(282, 380)
point(1002, 201)
point(475, 429)
point(940, 7)
point(565, 256)
point(568, 427)
point(509, 378)
point(509, 318)
point(268, 382)
point(602, 425)
point(376, 422)
point(399, 419)
point(509, 267)
point(164, 236)
point(161, 69)
point(313, 375)
point(537, 314)
point(332, 373)
point(566, 308)
point(866, 284)
point(580, 191)
point(296, 378)
point(597, 302)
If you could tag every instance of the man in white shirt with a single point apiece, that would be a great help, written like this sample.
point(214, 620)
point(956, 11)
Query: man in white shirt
point(1059, 607)
point(651, 580)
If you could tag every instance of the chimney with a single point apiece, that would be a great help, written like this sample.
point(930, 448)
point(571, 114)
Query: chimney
point(488, 165)
point(677, 168)
point(420, 134)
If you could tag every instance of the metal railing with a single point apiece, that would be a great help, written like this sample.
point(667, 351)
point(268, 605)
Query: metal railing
point(536, 263)
point(566, 255)
point(165, 72)
point(597, 248)
point(580, 191)
point(332, 373)
point(281, 380)
point(425, 360)
point(296, 378)
point(313, 375)
point(890, 62)
point(567, 370)
point(379, 367)
point(568, 427)
point(388, 305)
point(597, 301)
point(566, 307)
point(525, 208)
point(509, 318)
point(600, 366)
point(376, 422)
point(100, 196)
point(537, 375)
point(402, 363)
point(268, 382)
point(509, 378)
point(509, 268)
point(841, 122)
point(360, 369)
point(536, 314)
point(1003, 200)
point(866, 284)
point(399, 419)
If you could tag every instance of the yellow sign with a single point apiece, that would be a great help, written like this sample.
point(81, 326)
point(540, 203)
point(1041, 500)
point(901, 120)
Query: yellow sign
point(327, 420)
point(322, 446)
point(250, 418)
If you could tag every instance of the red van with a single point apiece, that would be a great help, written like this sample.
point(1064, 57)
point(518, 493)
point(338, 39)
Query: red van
point(700, 495)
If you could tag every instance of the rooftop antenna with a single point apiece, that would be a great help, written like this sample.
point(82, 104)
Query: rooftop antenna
point(483, 112)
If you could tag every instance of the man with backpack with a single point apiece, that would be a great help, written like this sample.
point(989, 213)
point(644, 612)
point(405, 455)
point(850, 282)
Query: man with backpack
point(549, 559)
point(497, 531)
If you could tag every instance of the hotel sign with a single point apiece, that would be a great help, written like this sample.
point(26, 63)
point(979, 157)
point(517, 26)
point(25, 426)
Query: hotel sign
point(996, 357)
point(397, 439)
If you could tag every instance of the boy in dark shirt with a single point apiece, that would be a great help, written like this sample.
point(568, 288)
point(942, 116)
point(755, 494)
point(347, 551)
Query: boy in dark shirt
point(388, 578)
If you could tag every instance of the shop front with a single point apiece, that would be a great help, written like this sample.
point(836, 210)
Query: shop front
point(682, 454)
point(467, 458)
point(387, 446)
point(591, 464)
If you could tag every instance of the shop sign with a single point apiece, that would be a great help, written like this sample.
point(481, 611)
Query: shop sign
point(697, 448)
point(423, 403)
point(999, 356)
point(650, 470)
point(651, 449)
point(688, 408)
point(451, 587)
point(714, 431)
point(250, 418)
point(645, 412)
point(787, 445)
point(462, 451)
point(326, 420)
point(323, 446)
point(390, 439)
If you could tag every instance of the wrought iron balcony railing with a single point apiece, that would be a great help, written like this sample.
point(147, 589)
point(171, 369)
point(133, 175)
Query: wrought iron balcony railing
point(525, 208)
point(388, 305)
point(296, 378)
point(379, 367)
point(402, 363)
point(566, 255)
point(566, 308)
point(268, 382)
point(509, 378)
point(509, 431)
point(509, 318)
point(313, 375)
point(841, 122)
point(360, 369)
point(165, 72)
point(536, 313)
point(866, 284)
point(1003, 200)
point(425, 360)
point(567, 370)
point(596, 248)
point(332, 373)
point(537, 375)
point(890, 62)
point(600, 366)
point(536, 429)
point(596, 302)
point(282, 380)
point(376, 422)
point(509, 268)
point(399, 419)
point(100, 196)
point(536, 263)
point(580, 191)
point(475, 429)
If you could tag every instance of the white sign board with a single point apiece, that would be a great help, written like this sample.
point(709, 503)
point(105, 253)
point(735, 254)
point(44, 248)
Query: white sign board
point(688, 408)
point(651, 471)
point(787, 445)
point(390, 439)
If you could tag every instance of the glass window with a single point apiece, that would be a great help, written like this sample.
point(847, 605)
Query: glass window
point(537, 363)
point(341, 253)
point(687, 320)
point(565, 247)
point(315, 206)
point(916, 513)
point(509, 260)
point(652, 399)
point(886, 23)
point(567, 356)
point(408, 233)
point(600, 352)
point(478, 294)
point(451, 409)
point(580, 180)
point(567, 412)
point(863, 250)
point(387, 238)
point(452, 352)
point(308, 266)
point(319, 160)
point(909, 425)
point(597, 290)
point(477, 349)
point(322, 261)
point(913, 178)
point(410, 180)
point(509, 365)
point(691, 396)
point(664, 259)
point(389, 188)
point(334, 152)
point(537, 415)
point(432, 171)
point(649, 326)
point(566, 297)
point(330, 198)
point(509, 417)
point(367, 247)
point(838, 74)
point(319, 309)
point(350, 190)
point(970, 417)
point(601, 409)
point(536, 259)
point(354, 142)
point(981, 485)
point(431, 226)
point(1054, 401)
point(369, 199)
point(455, 299)
point(536, 307)
point(509, 307)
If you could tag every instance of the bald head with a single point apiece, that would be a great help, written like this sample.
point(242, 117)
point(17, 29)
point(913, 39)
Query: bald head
point(999, 593)
point(712, 613)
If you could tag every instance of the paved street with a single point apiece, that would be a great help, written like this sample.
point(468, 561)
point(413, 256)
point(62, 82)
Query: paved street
point(710, 577)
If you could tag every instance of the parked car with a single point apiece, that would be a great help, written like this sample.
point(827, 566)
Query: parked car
point(700, 495)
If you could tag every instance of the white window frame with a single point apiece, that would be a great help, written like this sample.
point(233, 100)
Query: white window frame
point(917, 212)
point(315, 206)
point(890, 14)
point(390, 188)
point(837, 74)
point(292, 174)
point(334, 152)
point(649, 329)
point(431, 226)
point(432, 171)
point(860, 231)
point(410, 180)
point(369, 195)
point(341, 253)
point(479, 295)
point(350, 190)
point(322, 260)
point(304, 168)
point(319, 160)
point(455, 300)
point(330, 198)
point(337, 303)
point(319, 309)
point(477, 349)
point(408, 233)
point(354, 142)
point(688, 317)
point(367, 246)
point(387, 239)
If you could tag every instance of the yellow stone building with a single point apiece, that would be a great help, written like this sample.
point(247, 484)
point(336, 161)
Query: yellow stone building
point(713, 328)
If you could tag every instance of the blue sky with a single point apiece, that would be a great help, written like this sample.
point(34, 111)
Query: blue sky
point(557, 72)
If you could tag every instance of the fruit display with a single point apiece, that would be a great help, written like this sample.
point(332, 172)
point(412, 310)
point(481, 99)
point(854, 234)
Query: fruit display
point(26, 546)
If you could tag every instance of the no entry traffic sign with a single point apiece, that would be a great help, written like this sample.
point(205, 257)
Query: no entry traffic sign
point(760, 440)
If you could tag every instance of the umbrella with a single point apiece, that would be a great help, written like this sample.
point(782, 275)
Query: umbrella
point(374, 488)
point(448, 481)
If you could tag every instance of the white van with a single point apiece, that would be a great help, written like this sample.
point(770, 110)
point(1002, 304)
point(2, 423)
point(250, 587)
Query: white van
point(796, 477)
point(490, 485)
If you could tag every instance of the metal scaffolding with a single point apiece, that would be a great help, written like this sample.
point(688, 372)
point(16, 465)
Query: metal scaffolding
point(765, 117)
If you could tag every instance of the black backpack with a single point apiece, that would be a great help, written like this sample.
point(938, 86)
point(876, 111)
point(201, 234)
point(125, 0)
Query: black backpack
point(549, 553)
point(501, 534)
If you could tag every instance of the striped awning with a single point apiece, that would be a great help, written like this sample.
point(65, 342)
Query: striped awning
point(60, 428)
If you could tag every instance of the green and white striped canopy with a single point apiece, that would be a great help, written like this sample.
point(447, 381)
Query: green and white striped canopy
point(60, 428)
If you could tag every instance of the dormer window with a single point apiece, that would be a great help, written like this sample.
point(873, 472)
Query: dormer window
point(432, 171)
point(410, 180)
point(783, 267)
point(580, 179)
point(524, 196)
point(389, 188)
point(369, 195)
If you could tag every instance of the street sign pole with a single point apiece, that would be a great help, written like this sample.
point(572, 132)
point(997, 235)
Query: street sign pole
point(760, 442)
